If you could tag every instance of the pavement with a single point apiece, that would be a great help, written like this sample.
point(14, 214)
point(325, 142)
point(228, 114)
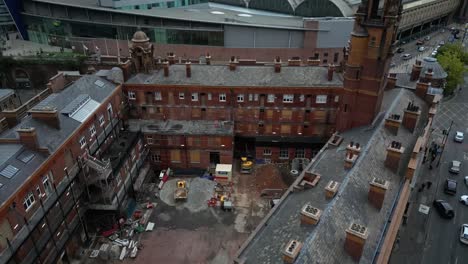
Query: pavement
point(425, 237)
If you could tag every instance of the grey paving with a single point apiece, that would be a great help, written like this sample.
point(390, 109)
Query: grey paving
point(324, 243)
point(243, 76)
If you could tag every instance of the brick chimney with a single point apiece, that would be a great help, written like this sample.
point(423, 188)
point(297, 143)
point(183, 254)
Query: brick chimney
point(331, 189)
point(331, 69)
point(310, 215)
point(208, 59)
point(48, 115)
point(188, 69)
point(394, 152)
point(291, 251)
point(233, 63)
point(428, 75)
point(392, 123)
point(294, 61)
point(57, 82)
point(391, 81)
point(278, 64)
point(350, 159)
point(171, 58)
point(411, 116)
point(377, 190)
point(421, 89)
point(356, 236)
point(416, 71)
point(28, 137)
point(166, 68)
point(354, 148)
point(313, 61)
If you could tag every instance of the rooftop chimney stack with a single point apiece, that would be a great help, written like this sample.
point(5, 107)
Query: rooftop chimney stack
point(331, 189)
point(377, 190)
point(313, 61)
point(354, 148)
point(411, 116)
point(166, 68)
point(291, 251)
point(171, 58)
point(416, 71)
point(208, 59)
point(356, 236)
point(392, 123)
point(428, 75)
point(310, 215)
point(188, 69)
point(48, 115)
point(421, 89)
point(277, 64)
point(391, 81)
point(331, 69)
point(233, 63)
point(294, 61)
point(28, 137)
point(394, 153)
point(350, 159)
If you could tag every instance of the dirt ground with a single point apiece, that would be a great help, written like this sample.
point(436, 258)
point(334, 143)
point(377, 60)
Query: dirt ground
point(209, 236)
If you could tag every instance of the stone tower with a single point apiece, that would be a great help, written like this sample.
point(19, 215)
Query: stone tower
point(141, 51)
point(367, 62)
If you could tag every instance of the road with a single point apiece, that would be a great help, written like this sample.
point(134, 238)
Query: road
point(442, 241)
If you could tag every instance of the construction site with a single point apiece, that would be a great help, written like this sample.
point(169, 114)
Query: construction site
point(192, 219)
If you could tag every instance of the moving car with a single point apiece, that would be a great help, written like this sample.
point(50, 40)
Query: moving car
point(464, 234)
point(459, 136)
point(464, 199)
point(442, 43)
point(400, 50)
point(466, 180)
point(450, 187)
point(406, 56)
point(421, 49)
point(455, 166)
point(444, 209)
point(434, 53)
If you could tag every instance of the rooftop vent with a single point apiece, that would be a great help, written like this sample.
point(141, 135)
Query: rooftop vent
point(99, 83)
point(9, 171)
point(26, 156)
point(291, 251)
point(310, 215)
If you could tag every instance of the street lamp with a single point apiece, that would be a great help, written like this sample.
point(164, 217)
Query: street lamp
point(444, 141)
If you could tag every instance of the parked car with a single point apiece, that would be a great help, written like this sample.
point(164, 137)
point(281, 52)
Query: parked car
point(450, 187)
point(464, 199)
point(434, 54)
point(466, 180)
point(406, 56)
point(400, 50)
point(441, 43)
point(464, 234)
point(444, 209)
point(421, 49)
point(455, 166)
point(459, 136)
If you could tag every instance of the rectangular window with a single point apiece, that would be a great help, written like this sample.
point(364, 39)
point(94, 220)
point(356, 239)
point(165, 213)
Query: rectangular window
point(38, 191)
point(29, 200)
point(194, 156)
point(149, 140)
point(269, 114)
point(288, 98)
point(131, 95)
point(92, 130)
point(250, 97)
point(284, 154)
point(175, 155)
point(222, 97)
point(271, 98)
point(285, 129)
point(209, 96)
point(267, 152)
point(300, 153)
point(101, 120)
point(301, 98)
point(255, 97)
point(194, 96)
point(337, 98)
point(181, 96)
point(46, 183)
point(321, 99)
point(156, 157)
point(335, 58)
point(325, 54)
point(157, 96)
point(240, 98)
point(82, 142)
point(286, 114)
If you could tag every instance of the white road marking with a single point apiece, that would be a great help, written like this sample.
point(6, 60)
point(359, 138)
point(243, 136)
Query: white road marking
point(456, 260)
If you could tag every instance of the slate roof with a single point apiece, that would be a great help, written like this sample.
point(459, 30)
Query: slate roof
point(180, 127)
point(324, 243)
point(4, 93)
point(438, 71)
point(50, 137)
point(243, 76)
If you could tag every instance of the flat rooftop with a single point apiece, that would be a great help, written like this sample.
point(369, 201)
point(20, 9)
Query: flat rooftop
point(179, 127)
point(247, 76)
point(324, 243)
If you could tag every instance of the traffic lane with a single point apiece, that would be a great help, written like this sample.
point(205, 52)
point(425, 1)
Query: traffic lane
point(412, 48)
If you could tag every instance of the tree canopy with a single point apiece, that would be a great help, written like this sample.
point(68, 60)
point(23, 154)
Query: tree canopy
point(453, 58)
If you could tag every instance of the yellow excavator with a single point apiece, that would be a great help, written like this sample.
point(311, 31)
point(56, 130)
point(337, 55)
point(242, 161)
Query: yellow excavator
point(246, 165)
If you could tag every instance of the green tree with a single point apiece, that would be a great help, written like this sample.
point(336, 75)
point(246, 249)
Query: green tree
point(451, 62)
